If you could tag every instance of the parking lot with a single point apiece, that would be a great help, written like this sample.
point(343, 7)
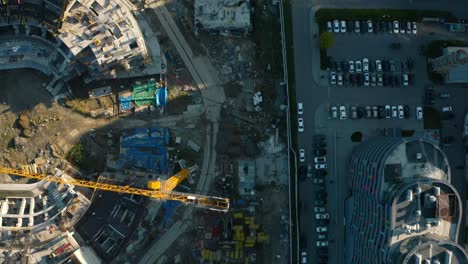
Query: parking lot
point(356, 99)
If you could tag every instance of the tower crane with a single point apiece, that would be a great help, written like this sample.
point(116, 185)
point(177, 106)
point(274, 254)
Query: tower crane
point(161, 190)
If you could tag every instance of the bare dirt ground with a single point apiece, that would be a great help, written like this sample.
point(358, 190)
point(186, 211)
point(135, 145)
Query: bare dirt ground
point(22, 92)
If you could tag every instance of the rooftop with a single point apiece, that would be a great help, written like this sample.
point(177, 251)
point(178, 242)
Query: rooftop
point(223, 14)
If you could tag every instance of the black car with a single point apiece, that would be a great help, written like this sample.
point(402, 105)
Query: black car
point(381, 111)
point(303, 172)
point(320, 188)
point(320, 173)
point(303, 241)
point(360, 112)
point(321, 195)
point(320, 144)
point(320, 152)
point(406, 111)
point(363, 27)
point(320, 203)
point(383, 26)
point(385, 65)
point(323, 222)
point(319, 137)
point(447, 116)
point(389, 27)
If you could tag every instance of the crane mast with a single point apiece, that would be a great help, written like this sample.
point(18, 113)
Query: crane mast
point(201, 201)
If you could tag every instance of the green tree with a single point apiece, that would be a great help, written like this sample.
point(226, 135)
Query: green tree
point(326, 40)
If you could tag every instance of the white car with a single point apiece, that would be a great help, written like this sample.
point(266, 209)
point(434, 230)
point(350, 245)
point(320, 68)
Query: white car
point(342, 112)
point(343, 26)
point(419, 113)
point(370, 28)
point(322, 216)
point(300, 124)
point(319, 209)
point(329, 26)
point(401, 112)
point(304, 257)
point(334, 112)
point(447, 109)
point(336, 26)
point(351, 66)
point(301, 155)
point(396, 27)
point(379, 80)
point(378, 65)
point(366, 79)
point(320, 159)
point(300, 110)
point(405, 79)
point(320, 166)
point(340, 79)
point(322, 243)
point(365, 63)
point(319, 181)
point(394, 112)
point(358, 66)
point(332, 78)
point(415, 31)
point(321, 229)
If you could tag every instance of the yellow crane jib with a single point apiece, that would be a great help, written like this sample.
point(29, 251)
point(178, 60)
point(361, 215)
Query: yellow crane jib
point(169, 184)
point(201, 201)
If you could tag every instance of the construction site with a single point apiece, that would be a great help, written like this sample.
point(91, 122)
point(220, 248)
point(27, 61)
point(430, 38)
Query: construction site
point(146, 132)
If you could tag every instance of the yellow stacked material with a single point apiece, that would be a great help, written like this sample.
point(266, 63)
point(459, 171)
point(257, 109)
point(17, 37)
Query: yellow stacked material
point(250, 241)
point(208, 235)
point(238, 233)
point(238, 215)
point(208, 254)
point(248, 220)
point(262, 237)
point(238, 251)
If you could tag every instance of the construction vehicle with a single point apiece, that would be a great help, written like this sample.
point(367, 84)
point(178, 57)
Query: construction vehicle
point(161, 190)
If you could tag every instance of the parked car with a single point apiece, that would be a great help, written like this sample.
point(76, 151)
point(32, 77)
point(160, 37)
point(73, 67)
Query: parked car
point(322, 243)
point(320, 159)
point(319, 209)
point(401, 114)
point(334, 112)
point(320, 166)
point(309, 170)
point(366, 79)
point(379, 80)
point(319, 173)
point(340, 79)
point(304, 257)
point(300, 110)
point(444, 95)
point(319, 181)
point(396, 27)
point(414, 28)
point(389, 27)
point(320, 152)
point(446, 109)
point(394, 112)
point(375, 112)
point(300, 124)
point(402, 27)
point(406, 111)
point(332, 78)
point(343, 26)
point(373, 80)
point(365, 63)
point(408, 27)
point(322, 236)
point(336, 26)
point(370, 27)
point(329, 26)
point(301, 155)
point(357, 26)
point(351, 66)
point(358, 66)
point(322, 216)
point(353, 112)
point(320, 144)
point(320, 203)
point(378, 65)
point(405, 79)
point(388, 111)
point(342, 112)
point(368, 112)
point(419, 113)
point(321, 229)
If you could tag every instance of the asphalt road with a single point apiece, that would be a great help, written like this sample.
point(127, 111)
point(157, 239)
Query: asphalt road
point(314, 92)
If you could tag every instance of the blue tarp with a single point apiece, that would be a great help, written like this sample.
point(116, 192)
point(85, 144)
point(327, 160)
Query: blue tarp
point(145, 148)
point(161, 96)
point(169, 210)
point(125, 103)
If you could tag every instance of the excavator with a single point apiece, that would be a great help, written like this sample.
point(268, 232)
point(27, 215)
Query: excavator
point(161, 190)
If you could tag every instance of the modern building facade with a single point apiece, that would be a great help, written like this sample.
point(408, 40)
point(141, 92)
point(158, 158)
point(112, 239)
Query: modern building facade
point(403, 208)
